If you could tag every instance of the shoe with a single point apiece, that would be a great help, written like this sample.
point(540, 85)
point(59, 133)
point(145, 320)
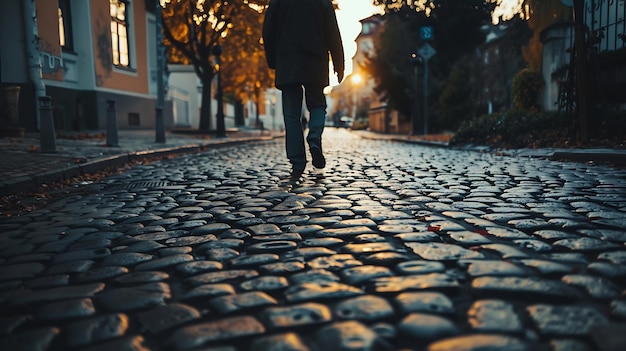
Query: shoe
point(296, 174)
point(318, 158)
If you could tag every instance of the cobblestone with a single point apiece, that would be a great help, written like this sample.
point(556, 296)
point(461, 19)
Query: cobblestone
point(565, 320)
point(422, 326)
point(495, 316)
point(391, 247)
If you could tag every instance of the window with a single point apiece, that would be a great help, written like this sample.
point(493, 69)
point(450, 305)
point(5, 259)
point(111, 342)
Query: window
point(119, 33)
point(66, 39)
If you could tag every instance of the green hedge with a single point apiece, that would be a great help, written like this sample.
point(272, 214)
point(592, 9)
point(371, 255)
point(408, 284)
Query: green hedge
point(511, 128)
point(518, 128)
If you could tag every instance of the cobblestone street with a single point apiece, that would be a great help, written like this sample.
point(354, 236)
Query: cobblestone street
point(393, 246)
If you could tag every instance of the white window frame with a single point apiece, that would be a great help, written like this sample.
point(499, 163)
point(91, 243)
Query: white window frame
point(130, 38)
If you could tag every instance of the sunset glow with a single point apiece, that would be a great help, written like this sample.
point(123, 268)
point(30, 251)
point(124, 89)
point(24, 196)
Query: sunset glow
point(348, 16)
point(506, 10)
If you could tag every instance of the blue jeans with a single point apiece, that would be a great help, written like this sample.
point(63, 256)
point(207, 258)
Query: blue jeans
point(292, 112)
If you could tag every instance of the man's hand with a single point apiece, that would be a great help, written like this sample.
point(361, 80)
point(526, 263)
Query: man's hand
point(339, 75)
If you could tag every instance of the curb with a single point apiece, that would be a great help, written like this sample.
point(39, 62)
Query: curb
point(35, 181)
point(614, 158)
point(403, 140)
point(422, 142)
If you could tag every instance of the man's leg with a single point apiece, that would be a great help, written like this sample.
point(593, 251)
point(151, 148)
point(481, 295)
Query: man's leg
point(294, 137)
point(316, 103)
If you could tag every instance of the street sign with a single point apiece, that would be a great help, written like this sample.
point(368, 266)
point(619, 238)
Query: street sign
point(426, 33)
point(427, 51)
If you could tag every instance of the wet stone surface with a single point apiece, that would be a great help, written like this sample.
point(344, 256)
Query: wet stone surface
point(426, 302)
point(565, 320)
point(364, 308)
point(422, 326)
point(478, 268)
point(104, 327)
point(309, 313)
point(167, 316)
point(391, 247)
point(494, 316)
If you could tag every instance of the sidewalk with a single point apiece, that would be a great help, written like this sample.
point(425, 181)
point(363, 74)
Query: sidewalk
point(24, 168)
point(614, 157)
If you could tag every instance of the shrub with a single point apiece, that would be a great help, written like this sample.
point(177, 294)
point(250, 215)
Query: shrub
point(521, 128)
point(511, 128)
point(527, 85)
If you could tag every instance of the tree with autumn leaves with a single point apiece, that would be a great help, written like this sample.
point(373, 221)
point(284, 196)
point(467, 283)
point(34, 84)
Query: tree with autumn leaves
point(193, 28)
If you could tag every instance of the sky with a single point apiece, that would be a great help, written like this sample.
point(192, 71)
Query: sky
point(348, 16)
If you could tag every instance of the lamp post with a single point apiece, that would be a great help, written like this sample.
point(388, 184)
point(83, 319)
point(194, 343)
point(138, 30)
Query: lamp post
point(273, 101)
point(257, 93)
point(159, 123)
point(248, 107)
point(220, 131)
point(416, 60)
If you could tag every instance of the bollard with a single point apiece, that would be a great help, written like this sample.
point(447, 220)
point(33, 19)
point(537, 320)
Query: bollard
point(47, 142)
point(111, 124)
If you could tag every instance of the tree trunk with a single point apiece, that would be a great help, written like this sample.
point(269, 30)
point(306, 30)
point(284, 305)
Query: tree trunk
point(205, 108)
point(220, 129)
point(239, 118)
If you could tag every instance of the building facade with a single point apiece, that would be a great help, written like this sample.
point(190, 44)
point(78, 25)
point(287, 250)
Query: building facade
point(355, 96)
point(605, 32)
point(82, 54)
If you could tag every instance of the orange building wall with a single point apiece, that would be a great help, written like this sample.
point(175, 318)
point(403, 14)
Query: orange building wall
point(135, 80)
point(48, 32)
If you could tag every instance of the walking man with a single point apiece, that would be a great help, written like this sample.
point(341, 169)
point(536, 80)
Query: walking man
point(298, 36)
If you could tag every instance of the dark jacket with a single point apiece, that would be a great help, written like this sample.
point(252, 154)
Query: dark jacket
point(298, 36)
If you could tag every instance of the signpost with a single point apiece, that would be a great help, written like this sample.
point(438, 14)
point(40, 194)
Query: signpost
point(159, 121)
point(427, 52)
point(426, 33)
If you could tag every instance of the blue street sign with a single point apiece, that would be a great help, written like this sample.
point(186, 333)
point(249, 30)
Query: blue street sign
point(426, 33)
point(427, 51)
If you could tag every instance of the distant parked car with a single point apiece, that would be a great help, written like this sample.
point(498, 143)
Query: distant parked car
point(345, 122)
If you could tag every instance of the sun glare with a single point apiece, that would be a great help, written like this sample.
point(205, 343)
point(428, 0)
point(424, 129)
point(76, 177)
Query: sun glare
point(506, 10)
